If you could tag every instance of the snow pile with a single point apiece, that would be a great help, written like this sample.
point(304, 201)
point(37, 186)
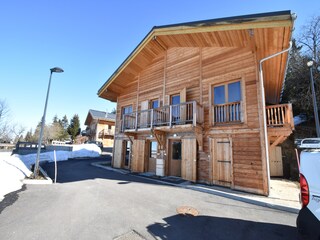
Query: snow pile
point(12, 172)
point(83, 150)
point(13, 169)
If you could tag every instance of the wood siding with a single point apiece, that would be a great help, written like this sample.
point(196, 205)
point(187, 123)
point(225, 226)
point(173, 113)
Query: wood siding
point(181, 68)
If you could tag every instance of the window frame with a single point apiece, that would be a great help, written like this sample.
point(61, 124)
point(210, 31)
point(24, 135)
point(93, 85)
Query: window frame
point(242, 101)
point(151, 103)
point(123, 108)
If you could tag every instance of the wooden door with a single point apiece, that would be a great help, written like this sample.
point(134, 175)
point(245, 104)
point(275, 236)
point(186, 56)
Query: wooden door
point(138, 156)
point(222, 159)
point(117, 154)
point(275, 162)
point(189, 159)
point(175, 158)
point(144, 114)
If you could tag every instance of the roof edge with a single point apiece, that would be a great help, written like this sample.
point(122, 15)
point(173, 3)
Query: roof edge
point(201, 23)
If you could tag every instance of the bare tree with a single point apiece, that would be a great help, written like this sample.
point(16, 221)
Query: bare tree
point(4, 121)
point(310, 38)
point(17, 131)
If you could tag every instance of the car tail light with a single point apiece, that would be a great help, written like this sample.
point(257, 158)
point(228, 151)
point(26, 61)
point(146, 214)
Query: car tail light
point(304, 191)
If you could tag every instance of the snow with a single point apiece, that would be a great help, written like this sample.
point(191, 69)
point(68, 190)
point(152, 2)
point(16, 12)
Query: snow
point(299, 119)
point(15, 168)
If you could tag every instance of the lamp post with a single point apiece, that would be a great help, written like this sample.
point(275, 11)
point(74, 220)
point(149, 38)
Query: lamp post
point(315, 106)
point(36, 166)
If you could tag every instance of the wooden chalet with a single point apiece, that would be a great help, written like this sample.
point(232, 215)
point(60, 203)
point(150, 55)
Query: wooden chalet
point(191, 101)
point(100, 127)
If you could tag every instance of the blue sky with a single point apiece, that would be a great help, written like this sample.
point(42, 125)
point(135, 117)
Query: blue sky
point(89, 40)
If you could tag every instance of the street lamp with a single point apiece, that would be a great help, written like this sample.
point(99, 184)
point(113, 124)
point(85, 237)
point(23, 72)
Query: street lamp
point(36, 165)
point(315, 106)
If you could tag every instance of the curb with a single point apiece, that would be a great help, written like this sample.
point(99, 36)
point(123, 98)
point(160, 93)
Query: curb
point(47, 180)
point(207, 190)
point(243, 199)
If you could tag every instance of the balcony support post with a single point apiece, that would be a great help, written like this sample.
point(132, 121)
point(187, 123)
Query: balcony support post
point(170, 116)
point(194, 115)
point(136, 121)
point(151, 119)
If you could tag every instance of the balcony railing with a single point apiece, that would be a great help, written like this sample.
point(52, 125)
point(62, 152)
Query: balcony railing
point(177, 114)
point(227, 113)
point(106, 132)
point(279, 115)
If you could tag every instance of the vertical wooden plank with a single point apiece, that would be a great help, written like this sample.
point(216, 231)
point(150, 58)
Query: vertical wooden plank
point(210, 103)
point(144, 115)
point(138, 155)
point(183, 99)
point(276, 166)
point(200, 77)
point(164, 76)
point(117, 157)
point(189, 159)
point(222, 160)
point(137, 101)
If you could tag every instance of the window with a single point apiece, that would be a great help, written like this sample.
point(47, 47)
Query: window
point(227, 103)
point(128, 121)
point(154, 104)
point(126, 110)
point(153, 150)
point(175, 99)
point(176, 151)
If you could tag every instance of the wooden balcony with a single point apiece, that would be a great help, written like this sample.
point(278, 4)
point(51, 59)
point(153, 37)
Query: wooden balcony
point(166, 117)
point(279, 122)
point(227, 113)
point(106, 133)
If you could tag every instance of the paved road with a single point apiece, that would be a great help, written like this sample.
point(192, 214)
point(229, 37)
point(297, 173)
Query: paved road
point(93, 203)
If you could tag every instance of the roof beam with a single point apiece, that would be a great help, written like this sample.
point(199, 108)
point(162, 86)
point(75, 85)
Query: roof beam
point(220, 27)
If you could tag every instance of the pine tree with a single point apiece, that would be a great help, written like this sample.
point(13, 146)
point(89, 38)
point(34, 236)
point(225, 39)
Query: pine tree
point(74, 127)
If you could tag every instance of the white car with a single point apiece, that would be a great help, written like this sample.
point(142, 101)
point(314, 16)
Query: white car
point(308, 221)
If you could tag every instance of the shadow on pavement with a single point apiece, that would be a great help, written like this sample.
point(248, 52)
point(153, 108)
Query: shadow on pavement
point(75, 170)
point(207, 227)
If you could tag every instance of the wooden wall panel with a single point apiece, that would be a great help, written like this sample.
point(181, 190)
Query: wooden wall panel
point(183, 71)
point(189, 159)
point(117, 154)
point(138, 156)
point(180, 68)
point(151, 81)
point(247, 168)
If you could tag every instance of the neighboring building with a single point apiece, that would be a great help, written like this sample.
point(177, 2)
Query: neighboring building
point(190, 101)
point(100, 127)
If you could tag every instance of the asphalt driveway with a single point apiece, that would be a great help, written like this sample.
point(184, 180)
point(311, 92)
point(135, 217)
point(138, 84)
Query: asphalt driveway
point(93, 203)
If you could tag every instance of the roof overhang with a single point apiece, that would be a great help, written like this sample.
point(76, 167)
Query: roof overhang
point(272, 33)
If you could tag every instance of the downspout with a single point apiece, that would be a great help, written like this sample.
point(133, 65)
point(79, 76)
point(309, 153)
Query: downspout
point(264, 107)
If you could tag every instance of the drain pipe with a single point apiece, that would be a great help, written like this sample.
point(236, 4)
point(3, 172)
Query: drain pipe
point(264, 107)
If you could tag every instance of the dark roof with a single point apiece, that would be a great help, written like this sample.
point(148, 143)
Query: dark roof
point(102, 115)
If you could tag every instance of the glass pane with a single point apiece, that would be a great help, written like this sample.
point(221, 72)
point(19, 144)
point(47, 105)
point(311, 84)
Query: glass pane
point(219, 95)
point(127, 110)
point(176, 150)
point(155, 104)
point(175, 99)
point(153, 149)
point(234, 92)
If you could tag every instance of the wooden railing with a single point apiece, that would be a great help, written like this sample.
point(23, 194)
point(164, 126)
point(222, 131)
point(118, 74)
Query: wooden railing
point(279, 115)
point(106, 132)
point(178, 114)
point(227, 113)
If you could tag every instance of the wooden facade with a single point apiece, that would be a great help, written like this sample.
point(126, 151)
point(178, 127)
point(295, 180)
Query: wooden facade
point(189, 102)
point(100, 127)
